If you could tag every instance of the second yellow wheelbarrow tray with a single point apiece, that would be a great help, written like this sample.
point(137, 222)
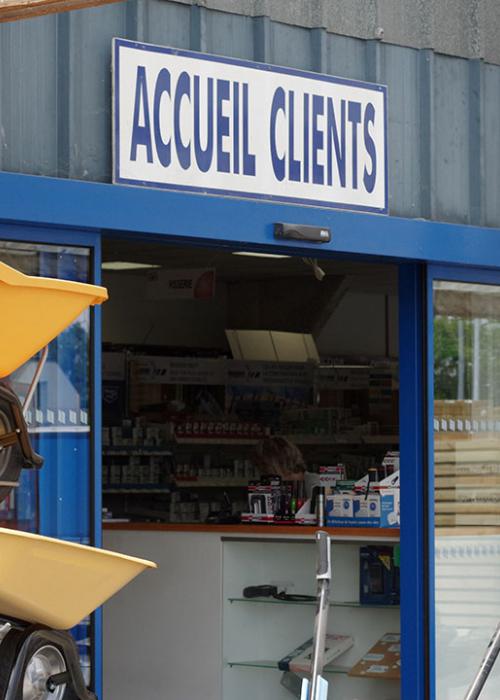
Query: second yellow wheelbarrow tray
point(58, 583)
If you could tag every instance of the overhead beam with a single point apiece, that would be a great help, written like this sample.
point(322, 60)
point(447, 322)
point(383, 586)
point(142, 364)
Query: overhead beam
point(11, 10)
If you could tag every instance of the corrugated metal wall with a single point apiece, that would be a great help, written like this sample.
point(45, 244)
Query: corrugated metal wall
point(444, 139)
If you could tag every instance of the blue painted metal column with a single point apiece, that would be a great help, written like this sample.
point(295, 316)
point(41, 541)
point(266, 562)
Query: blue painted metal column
point(96, 462)
point(412, 428)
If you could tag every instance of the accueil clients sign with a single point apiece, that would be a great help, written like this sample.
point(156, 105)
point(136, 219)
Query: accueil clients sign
point(189, 121)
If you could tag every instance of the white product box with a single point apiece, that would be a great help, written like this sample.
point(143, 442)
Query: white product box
point(368, 508)
point(389, 508)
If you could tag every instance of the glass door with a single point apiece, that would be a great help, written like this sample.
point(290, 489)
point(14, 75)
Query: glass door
point(57, 500)
point(464, 512)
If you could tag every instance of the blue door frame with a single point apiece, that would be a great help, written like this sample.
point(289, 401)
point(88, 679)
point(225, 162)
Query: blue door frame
point(69, 211)
point(91, 240)
point(453, 274)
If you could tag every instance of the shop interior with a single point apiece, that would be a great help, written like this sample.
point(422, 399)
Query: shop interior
point(207, 354)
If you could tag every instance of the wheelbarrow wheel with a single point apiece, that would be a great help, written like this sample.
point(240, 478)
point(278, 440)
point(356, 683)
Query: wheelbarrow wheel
point(45, 662)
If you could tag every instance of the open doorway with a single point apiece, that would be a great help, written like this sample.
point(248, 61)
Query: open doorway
point(208, 353)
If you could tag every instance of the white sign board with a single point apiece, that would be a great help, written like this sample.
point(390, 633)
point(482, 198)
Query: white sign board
point(198, 284)
point(193, 122)
point(150, 369)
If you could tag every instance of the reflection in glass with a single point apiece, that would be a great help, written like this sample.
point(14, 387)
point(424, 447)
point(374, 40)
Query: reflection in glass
point(467, 482)
point(58, 420)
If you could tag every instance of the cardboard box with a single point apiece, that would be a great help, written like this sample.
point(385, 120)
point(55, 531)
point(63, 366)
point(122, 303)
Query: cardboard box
point(300, 659)
point(383, 660)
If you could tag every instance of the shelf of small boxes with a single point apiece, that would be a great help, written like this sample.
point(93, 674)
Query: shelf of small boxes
point(137, 459)
point(221, 432)
point(361, 504)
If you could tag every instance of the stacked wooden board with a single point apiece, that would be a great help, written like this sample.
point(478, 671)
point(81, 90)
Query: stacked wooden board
point(467, 482)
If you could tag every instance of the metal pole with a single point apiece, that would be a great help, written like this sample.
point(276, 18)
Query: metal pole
point(36, 378)
point(323, 576)
point(485, 668)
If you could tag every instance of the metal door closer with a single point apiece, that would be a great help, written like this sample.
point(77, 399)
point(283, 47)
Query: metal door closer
point(47, 585)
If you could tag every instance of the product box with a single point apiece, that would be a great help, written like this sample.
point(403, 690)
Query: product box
point(329, 476)
point(353, 510)
point(367, 508)
point(379, 579)
point(260, 503)
point(390, 482)
point(304, 516)
point(391, 461)
point(299, 660)
point(383, 660)
point(389, 508)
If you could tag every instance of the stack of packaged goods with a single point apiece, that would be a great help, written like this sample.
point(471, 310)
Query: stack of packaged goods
point(373, 501)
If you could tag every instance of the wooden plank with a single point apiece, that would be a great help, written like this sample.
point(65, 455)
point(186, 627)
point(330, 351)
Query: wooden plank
point(468, 456)
point(481, 494)
point(443, 531)
point(469, 480)
point(473, 519)
point(466, 441)
point(471, 508)
point(464, 469)
point(11, 10)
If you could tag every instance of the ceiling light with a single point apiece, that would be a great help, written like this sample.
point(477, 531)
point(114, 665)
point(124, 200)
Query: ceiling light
point(251, 254)
point(121, 265)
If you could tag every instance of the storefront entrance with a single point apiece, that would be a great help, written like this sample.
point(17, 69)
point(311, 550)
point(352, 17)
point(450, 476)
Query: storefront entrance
point(208, 353)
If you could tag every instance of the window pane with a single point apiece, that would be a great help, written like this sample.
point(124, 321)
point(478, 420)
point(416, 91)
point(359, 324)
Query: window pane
point(467, 482)
point(56, 499)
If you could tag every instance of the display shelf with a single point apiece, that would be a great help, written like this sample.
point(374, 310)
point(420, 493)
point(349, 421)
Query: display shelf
point(381, 439)
point(215, 441)
point(138, 490)
point(270, 633)
point(274, 666)
point(300, 439)
point(333, 603)
point(211, 483)
point(224, 442)
point(135, 452)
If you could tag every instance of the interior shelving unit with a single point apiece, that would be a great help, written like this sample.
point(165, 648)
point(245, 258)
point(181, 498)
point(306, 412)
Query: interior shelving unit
point(259, 632)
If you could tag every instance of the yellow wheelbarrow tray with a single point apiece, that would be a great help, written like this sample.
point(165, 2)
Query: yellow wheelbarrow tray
point(35, 310)
point(57, 583)
point(44, 580)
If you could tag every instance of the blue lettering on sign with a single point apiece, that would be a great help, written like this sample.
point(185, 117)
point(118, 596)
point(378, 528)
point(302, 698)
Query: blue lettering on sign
point(141, 135)
point(162, 147)
point(369, 179)
point(222, 126)
point(338, 141)
point(312, 138)
point(203, 155)
point(183, 150)
point(306, 137)
point(317, 139)
point(354, 116)
point(278, 104)
point(293, 165)
point(236, 128)
point(248, 158)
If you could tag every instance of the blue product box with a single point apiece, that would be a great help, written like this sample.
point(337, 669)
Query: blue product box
point(389, 508)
